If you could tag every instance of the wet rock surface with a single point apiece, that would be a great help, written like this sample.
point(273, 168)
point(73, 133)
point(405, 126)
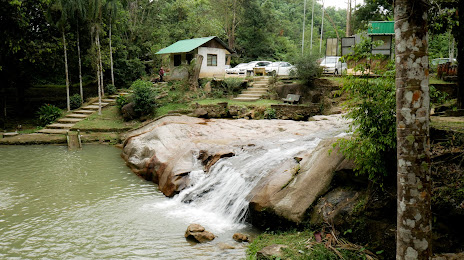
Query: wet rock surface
point(198, 233)
point(168, 150)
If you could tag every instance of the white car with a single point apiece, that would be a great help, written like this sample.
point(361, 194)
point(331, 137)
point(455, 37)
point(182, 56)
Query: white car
point(236, 69)
point(333, 65)
point(279, 68)
point(255, 64)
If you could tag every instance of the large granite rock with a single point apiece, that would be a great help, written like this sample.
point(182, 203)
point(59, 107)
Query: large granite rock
point(294, 187)
point(167, 150)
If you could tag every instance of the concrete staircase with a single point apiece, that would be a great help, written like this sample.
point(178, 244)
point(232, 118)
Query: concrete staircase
point(64, 124)
point(259, 88)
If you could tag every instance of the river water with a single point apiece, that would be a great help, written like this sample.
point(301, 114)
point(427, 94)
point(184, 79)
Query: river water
point(86, 204)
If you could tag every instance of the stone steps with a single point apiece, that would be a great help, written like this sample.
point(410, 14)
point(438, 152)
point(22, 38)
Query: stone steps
point(69, 120)
point(254, 91)
point(84, 111)
point(64, 124)
point(77, 115)
point(60, 126)
point(247, 99)
point(53, 131)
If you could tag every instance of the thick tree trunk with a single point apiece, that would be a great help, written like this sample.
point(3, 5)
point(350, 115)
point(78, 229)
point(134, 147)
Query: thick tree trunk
point(460, 55)
point(80, 66)
point(68, 104)
point(413, 105)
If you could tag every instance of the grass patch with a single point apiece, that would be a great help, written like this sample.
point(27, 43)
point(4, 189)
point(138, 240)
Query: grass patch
point(299, 246)
point(449, 126)
point(165, 109)
point(434, 80)
point(109, 120)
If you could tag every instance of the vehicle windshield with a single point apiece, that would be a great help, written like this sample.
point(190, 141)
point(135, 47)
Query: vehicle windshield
point(330, 60)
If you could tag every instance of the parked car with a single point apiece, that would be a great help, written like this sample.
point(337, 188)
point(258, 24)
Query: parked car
point(333, 65)
point(236, 69)
point(255, 64)
point(279, 68)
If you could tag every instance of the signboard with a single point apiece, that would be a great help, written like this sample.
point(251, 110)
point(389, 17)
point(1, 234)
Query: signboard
point(332, 47)
point(386, 47)
point(348, 44)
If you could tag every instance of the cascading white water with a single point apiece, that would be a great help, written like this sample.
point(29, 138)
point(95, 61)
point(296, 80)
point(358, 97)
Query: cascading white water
point(218, 197)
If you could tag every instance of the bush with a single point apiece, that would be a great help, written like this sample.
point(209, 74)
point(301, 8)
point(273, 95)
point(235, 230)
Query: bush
point(307, 68)
point(143, 97)
point(270, 113)
point(372, 106)
point(110, 89)
point(75, 101)
point(47, 114)
point(121, 101)
point(232, 85)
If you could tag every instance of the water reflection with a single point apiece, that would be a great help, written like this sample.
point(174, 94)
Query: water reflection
point(86, 204)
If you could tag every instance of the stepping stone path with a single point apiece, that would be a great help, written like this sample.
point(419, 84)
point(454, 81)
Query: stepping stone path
point(259, 88)
point(64, 124)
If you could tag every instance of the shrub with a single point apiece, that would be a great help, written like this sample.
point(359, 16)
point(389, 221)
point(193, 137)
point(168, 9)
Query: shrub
point(143, 97)
point(270, 113)
point(121, 101)
point(232, 85)
point(307, 68)
point(110, 89)
point(372, 106)
point(75, 101)
point(47, 114)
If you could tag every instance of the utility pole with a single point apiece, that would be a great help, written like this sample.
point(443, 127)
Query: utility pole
point(304, 21)
point(348, 19)
point(322, 28)
point(312, 25)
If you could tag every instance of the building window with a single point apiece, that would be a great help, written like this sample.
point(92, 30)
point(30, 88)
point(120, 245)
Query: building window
point(177, 60)
point(212, 60)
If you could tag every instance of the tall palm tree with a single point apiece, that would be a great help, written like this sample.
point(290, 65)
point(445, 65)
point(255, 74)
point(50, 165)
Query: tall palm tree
point(78, 12)
point(112, 12)
point(57, 15)
point(94, 16)
point(412, 115)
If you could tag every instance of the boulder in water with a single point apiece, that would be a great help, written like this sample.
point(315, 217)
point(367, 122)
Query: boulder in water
point(239, 237)
point(198, 233)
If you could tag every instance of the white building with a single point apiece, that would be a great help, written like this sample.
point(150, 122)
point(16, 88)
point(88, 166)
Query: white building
point(181, 53)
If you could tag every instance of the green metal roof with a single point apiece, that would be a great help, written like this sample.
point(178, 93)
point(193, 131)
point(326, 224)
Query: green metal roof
point(189, 45)
point(381, 28)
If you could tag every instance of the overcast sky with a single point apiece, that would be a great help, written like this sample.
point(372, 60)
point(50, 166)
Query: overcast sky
point(342, 4)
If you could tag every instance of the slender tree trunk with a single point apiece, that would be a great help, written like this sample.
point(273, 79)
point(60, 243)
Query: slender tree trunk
point(80, 66)
point(98, 74)
point(101, 64)
point(413, 105)
point(68, 105)
point(111, 59)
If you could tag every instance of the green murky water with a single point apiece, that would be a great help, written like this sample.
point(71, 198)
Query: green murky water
point(86, 204)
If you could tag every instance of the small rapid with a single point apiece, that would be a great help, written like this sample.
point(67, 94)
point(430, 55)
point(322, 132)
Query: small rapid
point(219, 198)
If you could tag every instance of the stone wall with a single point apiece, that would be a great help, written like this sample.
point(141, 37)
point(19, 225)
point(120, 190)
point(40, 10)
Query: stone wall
point(296, 112)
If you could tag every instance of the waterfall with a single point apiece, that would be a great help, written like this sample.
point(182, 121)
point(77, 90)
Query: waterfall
point(218, 198)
